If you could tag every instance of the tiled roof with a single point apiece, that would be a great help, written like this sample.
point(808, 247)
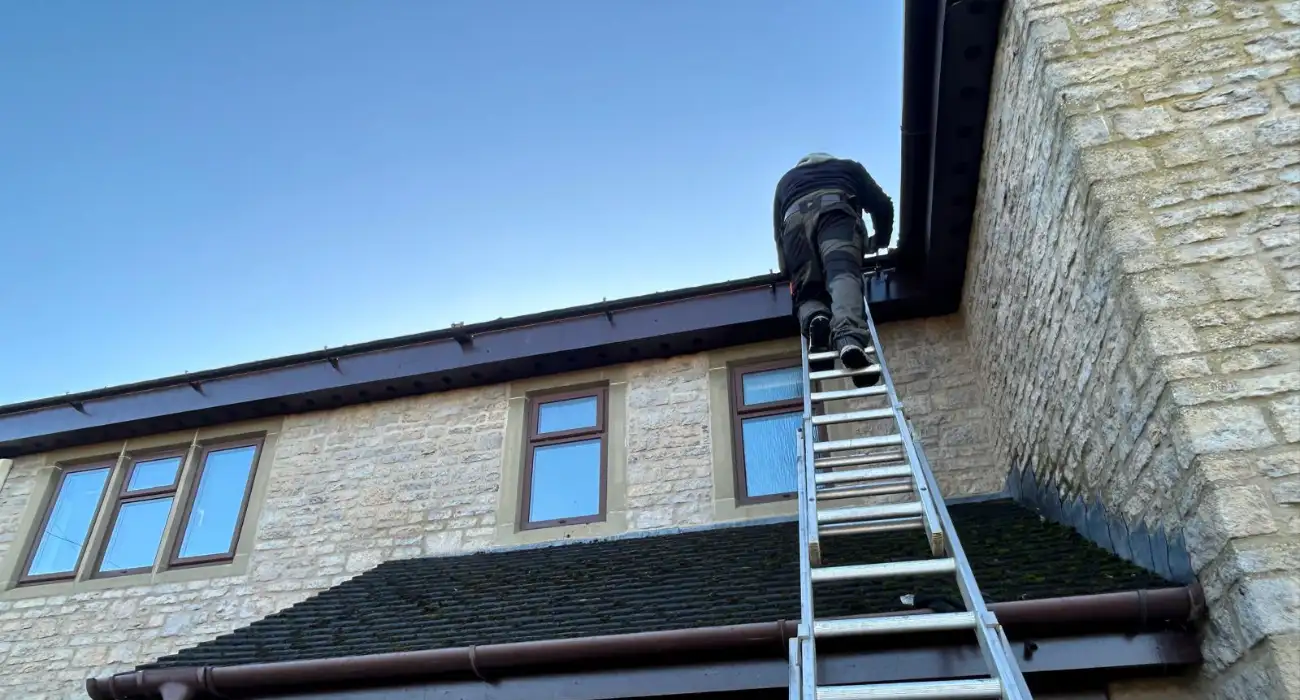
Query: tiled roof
point(723, 576)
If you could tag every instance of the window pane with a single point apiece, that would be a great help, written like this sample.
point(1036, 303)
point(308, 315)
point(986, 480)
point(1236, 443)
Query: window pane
point(772, 385)
point(557, 416)
point(771, 445)
point(566, 481)
point(218, 502)
point(136, 534)
point(154, 473)
point(69, 522)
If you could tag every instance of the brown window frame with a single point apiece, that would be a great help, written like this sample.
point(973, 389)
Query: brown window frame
point(193, 459)
point(740, 413)
point(34, 542)
point(125, 496)
point(533, 440)
point(174, 560)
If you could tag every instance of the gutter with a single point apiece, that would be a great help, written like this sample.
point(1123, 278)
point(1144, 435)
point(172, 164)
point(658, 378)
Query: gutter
point(344, 351)
point(1178, 605)
point(920, 27)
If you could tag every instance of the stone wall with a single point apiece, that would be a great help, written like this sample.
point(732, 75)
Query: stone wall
point(941, 397)
point(1134, 288)
point(352, 487)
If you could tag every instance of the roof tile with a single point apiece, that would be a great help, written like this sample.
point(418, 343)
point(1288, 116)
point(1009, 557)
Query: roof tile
point(705, 578)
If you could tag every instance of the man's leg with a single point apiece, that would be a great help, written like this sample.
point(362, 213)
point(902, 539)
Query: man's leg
point(840, 245)
point(807, 290)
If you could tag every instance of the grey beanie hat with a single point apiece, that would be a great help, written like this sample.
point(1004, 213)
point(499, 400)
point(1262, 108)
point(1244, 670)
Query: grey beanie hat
point(814, 158)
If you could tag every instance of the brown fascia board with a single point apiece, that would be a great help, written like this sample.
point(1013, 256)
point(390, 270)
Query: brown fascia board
point(640, 328)
point(1128, 612)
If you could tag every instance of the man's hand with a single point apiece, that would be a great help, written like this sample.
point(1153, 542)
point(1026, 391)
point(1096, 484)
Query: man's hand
point(879, 241)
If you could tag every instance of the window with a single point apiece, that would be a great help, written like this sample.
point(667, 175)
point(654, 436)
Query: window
point(767, 408)
point(145, 491)
point(140, 515)
point(565, 459)
point(66, 525)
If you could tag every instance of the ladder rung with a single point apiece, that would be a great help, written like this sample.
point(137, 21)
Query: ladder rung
point(894, 624)
point(857, 443)
point(841, 394)
point(853, 416)
point(887, 510)
point(868, 474)
point(890, 458)
point(928, 690)
point(897, 568)
point(884, 489)
point(832, 355)
point(890, 525)
point(838, 373)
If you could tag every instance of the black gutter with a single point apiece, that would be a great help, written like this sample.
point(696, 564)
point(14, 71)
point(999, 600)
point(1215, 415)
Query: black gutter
point(919, 22)
point(399, 341)
point(967, 48)
point(949, 50)
point(662, 325)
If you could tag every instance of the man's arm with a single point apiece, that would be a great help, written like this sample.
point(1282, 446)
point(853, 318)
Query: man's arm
point(876, 203)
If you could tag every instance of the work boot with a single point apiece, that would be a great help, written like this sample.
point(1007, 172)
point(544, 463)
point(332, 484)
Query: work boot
point(851, 354)
point(819, 332)
point(854, 357)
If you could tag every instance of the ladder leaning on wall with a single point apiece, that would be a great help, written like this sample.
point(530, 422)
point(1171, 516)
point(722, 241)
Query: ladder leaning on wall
point(858, 467)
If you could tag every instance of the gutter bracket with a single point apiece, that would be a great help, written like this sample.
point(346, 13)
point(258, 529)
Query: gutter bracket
point(609, 316)
point(79, 406)
point(473, 665)
point(334, 362)
point(197, 386)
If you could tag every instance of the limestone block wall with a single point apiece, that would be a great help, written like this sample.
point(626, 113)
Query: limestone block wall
point(350, 488)
point(1134, 288)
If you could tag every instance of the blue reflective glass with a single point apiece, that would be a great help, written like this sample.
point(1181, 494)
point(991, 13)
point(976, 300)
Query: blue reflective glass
point(772, 385)
point(136, 535)
point(69, 522)
point(218, 502)
point(771, 445)
point(566, 481)
point(153, 473)
point(570, 414)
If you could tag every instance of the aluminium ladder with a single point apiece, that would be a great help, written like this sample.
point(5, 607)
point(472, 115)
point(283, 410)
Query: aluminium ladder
point(858, 467)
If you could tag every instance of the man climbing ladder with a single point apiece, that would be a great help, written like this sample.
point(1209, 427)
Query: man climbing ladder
point(855, 445)
point(820, 241)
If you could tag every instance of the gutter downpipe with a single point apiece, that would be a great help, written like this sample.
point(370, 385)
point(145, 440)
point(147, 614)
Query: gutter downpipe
point(920, 47)
point(1185, 604)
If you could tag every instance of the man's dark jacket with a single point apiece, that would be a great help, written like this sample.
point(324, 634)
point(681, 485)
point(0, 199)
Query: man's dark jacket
point(841, 174)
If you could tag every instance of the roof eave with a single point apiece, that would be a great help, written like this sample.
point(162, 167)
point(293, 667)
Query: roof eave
point(643, 328)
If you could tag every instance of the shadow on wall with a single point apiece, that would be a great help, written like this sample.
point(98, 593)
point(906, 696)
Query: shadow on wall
point(1154, 550)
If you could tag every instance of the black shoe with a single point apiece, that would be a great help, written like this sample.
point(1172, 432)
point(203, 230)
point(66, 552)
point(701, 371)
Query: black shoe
point(852, 355)
point(862, 381)
point(819, 332)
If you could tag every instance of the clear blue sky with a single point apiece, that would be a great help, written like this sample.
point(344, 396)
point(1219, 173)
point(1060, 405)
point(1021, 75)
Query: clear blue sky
point(190, 185)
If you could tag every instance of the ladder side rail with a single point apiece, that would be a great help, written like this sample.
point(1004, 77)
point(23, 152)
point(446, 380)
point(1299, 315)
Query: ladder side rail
point(810, 540)
point(994, 646)
point(796, 689)
point(933, 530)
point(807, 494)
